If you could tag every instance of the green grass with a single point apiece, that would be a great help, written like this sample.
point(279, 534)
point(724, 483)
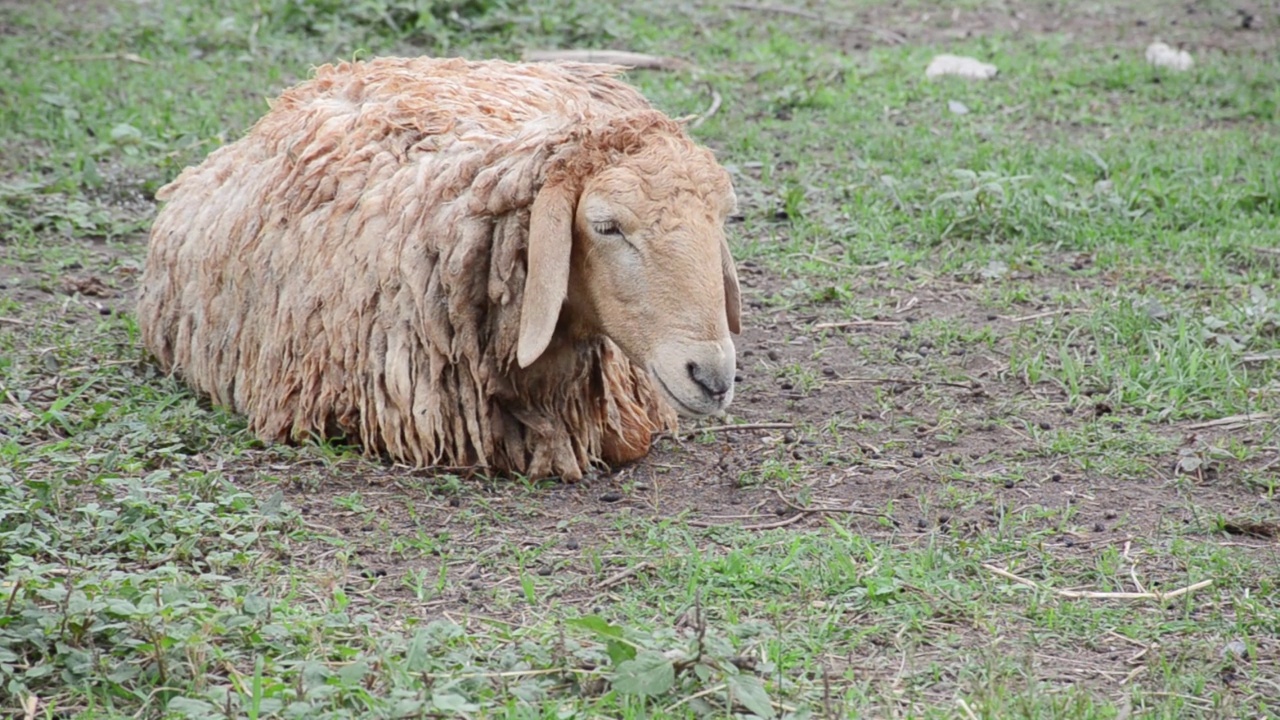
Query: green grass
point(1076, 279)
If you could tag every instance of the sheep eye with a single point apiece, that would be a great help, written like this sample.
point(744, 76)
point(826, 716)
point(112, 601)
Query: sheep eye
point(608, 229)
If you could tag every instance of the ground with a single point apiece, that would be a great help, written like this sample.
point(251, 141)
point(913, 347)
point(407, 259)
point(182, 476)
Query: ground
point(1009, 348)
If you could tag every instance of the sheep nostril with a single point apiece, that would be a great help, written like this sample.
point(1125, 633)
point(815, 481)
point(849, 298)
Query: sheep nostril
point(713, 384)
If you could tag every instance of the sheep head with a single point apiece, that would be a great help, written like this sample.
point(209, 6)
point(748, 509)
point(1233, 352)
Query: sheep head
point(627, 240)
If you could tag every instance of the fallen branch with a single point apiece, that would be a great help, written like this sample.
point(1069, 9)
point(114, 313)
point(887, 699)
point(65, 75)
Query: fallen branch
point(783, 10)
point(971, 385)
point(516, 673)
point(1261, 357)
point(709, 691)
point(802, 512)
point(619, 577)
point(762, 526)
point(858, 323)
point(636, 60)
point(1234, 421)
point(743, 426)
point(1091, 595)
point(846, 511)
point(16, 321)
point(1034, 316)
point(715, 105)
point(127, 57)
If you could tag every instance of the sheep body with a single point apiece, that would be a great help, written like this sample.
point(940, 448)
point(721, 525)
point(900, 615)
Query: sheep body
point(354, 266)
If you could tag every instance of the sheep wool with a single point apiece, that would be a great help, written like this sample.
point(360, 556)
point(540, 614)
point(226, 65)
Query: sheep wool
point(353, 267)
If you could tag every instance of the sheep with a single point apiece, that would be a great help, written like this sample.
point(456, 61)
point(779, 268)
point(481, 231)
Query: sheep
point(520, 269)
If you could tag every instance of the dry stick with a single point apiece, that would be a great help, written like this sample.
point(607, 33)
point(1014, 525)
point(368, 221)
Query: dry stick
point(783, 10)
point(968, 712)
point(743, 426)
point(972, 385)
point(858, 323)
point(715, 105)
point(763, 526)
point(612, 57)
point(801, 513)
point(1231, 420)
point(619, 577)
point(1133, 674)
point(127, 57)
point(516, 673)
point(1035, 316)
point(694, 696)
point(1270, 463)
point(1088, 594)
point(16, 321)
point(847, 511)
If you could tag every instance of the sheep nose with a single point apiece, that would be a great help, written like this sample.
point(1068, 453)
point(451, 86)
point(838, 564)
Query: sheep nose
point(714, 384)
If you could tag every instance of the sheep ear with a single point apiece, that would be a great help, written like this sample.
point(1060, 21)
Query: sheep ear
point(547, 273)
point(732, 294)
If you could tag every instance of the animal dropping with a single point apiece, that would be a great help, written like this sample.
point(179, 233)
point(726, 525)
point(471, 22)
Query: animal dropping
point(1162, 56)
point(520, 268)
point(960, 66)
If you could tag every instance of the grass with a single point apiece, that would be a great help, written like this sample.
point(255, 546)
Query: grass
point(1073, 291)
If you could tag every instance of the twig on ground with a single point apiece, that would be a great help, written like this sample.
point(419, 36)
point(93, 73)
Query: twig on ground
point(1261, 357)
point(968, 712)
point(127, 57)
point(1034, 316)
point(801, 511)
point(1092, 595)
point(843, 510)
point(1133, 674)
point(1232, 422)
point(695, 696)
point(16, 321)
point(98, 366)
point(971, 385)
point(620, 576)
point(858, 323)
point(743, 426)
point(715, 106)
point(636, 60)
point(782, 10)
point(763, 526)
point(517, 673)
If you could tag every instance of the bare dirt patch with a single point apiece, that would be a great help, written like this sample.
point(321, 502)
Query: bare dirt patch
point(900, 451)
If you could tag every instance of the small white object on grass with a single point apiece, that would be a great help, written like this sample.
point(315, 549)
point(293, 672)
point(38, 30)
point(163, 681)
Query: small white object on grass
point(961, 66)
point(1163, 56)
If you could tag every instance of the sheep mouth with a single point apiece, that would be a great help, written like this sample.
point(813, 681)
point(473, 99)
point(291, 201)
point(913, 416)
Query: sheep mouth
point(681, 407)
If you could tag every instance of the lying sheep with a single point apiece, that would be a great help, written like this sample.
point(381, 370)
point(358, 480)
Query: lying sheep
point(515, 267)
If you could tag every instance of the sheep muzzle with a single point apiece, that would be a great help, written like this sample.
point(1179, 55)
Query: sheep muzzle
point(696, 378)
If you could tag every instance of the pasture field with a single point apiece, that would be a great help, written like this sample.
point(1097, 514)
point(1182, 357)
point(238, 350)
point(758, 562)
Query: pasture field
point(1010, 388)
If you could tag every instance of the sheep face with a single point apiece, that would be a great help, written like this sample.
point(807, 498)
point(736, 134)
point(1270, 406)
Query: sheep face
point(655, 283)
point(648, 267)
